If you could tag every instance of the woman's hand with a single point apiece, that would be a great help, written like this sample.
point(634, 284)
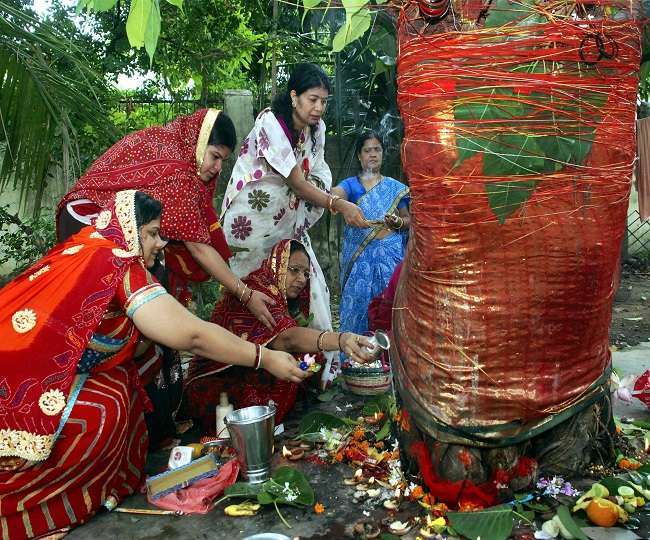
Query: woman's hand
point(257, 306)
point(282, 365)
point(351, 213)
point(354, 346)
point(394, 221)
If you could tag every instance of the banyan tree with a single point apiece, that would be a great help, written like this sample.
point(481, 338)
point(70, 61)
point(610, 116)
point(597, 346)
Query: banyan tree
point(519, 146)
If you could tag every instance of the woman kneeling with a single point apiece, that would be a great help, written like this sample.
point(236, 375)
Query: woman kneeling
point(284, 276)
point(72, 431)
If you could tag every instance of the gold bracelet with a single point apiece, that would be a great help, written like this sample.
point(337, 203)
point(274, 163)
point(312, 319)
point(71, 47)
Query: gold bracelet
point(332, 201)
point(319, 341)
point(243, 293)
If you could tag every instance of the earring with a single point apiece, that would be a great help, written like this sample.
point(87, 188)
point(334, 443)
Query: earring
point(293, 103)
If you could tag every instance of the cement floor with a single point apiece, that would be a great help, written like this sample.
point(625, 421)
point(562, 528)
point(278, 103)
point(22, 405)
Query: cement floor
point(341, 513)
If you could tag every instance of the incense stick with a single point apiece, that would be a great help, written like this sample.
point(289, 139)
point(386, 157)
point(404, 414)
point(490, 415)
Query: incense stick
point(148, 511)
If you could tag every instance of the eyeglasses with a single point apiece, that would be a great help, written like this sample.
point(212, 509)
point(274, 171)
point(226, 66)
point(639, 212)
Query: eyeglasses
point(295, 271)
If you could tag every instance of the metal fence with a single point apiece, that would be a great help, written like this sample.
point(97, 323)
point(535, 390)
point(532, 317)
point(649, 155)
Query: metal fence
point(637, 237)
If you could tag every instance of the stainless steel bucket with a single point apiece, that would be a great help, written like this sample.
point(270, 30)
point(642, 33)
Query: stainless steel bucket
point(251, 435)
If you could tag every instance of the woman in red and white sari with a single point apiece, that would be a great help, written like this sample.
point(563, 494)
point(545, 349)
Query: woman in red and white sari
point(177, 164)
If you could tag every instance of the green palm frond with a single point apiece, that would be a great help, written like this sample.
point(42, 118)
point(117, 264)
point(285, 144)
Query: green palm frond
point(46, 88)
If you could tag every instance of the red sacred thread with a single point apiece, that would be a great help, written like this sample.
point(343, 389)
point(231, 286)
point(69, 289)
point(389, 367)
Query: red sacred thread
point(508, 322)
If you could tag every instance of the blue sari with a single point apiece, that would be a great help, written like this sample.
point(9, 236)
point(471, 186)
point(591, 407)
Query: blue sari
point(367, 263)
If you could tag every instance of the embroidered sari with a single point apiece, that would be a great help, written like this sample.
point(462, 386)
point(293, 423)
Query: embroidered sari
point(367, 263)
point(69, 395)
point(245, 386)
point(163, 162)
point(260, 209)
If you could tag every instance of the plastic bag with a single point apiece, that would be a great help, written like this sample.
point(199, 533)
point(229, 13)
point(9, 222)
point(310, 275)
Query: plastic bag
point(198, 498)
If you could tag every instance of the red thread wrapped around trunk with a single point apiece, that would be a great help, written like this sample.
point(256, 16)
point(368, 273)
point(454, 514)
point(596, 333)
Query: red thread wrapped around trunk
point(519, 145)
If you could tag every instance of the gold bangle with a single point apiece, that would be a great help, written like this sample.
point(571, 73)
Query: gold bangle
point(332, 202)
point(319, 341)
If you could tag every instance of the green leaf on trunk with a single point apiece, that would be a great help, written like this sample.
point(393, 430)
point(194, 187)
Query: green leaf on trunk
point(504, 12)
point(505, 198)
point(494, 523)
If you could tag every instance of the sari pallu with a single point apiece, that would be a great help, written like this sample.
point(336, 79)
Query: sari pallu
point(163, 162)
point(245, 386)
point(67, 393)
point(367, 263)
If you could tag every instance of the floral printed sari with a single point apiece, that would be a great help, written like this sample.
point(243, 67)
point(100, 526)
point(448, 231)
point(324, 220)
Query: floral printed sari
point(260, 209)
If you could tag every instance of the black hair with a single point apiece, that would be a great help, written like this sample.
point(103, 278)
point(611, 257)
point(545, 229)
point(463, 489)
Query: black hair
point(297, 246)
point(223, 132)
point(366, 136)
point(302, 78)
point(146, 209)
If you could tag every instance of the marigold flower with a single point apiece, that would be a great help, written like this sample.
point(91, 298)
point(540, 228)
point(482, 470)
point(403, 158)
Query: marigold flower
point(319, 508)
point(358, 434)
point(628, 464)
point(417, 492)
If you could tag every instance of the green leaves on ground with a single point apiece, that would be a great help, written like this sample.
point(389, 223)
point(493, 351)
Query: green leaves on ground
point(494, 523)
point(314, 421)
point(569, 524)
point(286, 486)
point(382, 403)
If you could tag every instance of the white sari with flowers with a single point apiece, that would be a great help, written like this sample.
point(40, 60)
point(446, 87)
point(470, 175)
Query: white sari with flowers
point(260, 209)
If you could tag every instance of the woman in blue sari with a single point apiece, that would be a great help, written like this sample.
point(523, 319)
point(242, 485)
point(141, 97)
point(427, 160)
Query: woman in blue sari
point(370, 254)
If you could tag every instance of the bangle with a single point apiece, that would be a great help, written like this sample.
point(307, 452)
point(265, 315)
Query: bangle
point(259, 364)
point(319, 341)
point(250, 295)
point(401, 222)
point(332, 201)
point(340, 336)
point(237, 293)
point(258, 357)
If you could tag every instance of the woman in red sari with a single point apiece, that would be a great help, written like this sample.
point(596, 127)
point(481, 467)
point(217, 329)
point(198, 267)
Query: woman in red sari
point(72, 432)
point(284, 276)
point(177, 164)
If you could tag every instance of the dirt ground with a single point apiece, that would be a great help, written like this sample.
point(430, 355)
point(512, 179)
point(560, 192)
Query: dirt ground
point(631, 312)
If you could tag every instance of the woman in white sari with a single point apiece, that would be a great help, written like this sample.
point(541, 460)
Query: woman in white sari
point(280, 186)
